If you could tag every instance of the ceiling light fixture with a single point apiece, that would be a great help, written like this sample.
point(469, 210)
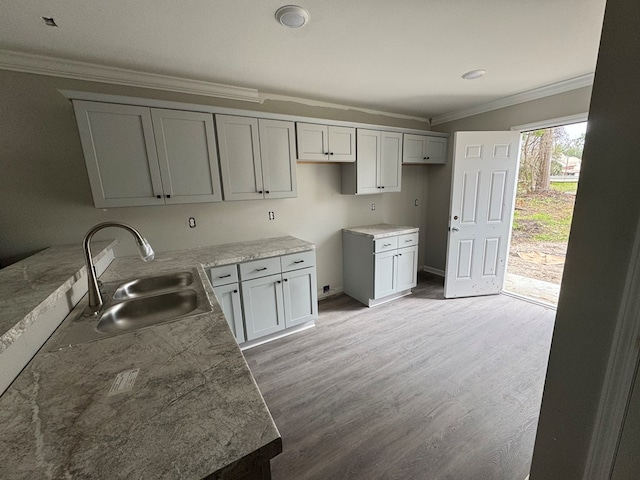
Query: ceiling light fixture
point(473, 74)
point(292, 16)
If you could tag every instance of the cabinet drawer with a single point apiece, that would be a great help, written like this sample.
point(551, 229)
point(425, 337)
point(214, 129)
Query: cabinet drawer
point(223, 275)
point(408, 240)
point(385, 244)
point(259, 268)
point(296, 261)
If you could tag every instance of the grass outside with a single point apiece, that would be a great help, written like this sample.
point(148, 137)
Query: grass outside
point(544, 216)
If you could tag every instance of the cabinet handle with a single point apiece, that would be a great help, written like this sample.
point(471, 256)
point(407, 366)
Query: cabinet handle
point(299, 261)
point(266, 191)
point(261, 269)
point(330, 153)
point(168, 196)
point(381, 187)
point(259, 191)
point(225, 276)
point(286, 279)
point(399, 254)
point(386, 245)
point(278, 281)
point(325, 153)
point(235, 291)
point(428, 158)
point(158, 196)
point(408, 241)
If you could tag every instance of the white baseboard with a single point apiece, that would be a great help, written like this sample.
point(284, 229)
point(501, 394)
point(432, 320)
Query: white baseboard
point(435, 271)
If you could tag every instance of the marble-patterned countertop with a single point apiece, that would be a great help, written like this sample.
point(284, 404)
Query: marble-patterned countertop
point(194, 409)
point(381, 230)
point(34, 284)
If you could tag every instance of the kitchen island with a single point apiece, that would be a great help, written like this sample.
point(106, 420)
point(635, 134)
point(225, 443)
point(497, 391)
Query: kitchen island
point(190, 409)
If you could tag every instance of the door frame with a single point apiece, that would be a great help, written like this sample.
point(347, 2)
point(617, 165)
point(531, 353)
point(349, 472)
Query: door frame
point(623, 357)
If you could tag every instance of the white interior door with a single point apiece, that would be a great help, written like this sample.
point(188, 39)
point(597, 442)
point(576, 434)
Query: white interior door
point(485, 171)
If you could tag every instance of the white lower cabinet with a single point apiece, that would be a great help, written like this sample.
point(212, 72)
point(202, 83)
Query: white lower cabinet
point(300, 293)
point(263, 304)
point(229, 298)
point(275, 293)
point(376, 270)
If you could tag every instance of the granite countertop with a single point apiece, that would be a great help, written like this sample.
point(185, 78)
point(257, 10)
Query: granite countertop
point(34, 284)
point(381, 230)
point(194, 410)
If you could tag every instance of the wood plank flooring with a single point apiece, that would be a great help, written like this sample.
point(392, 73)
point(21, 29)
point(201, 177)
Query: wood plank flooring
point(419, 388)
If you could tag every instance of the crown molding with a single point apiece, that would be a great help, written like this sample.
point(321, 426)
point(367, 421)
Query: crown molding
point(535, 94)
point(317, 103)
point(59, 67)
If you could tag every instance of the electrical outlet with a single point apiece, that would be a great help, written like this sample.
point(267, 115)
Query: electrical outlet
point(192, 222)
point(272, 216)
point(325, 289)
point(373, 206)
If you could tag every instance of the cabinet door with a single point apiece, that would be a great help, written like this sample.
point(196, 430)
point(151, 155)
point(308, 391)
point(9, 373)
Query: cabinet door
point(263, 306)
point(300, 296)
point(384, 274)
point(186, 147)
point(342, 144)
point(367, 163)
point(390, 169)
point(239, 146)
point(277, 151)
point(407, 271)
point(414, 148)
point(120, 154)
point(313, 143)
point(229, 298)
point(436, 150)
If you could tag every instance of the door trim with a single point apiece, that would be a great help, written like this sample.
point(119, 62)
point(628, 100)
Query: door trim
point(619, 377)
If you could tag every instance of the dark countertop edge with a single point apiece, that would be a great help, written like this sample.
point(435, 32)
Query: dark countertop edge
point(249, 462)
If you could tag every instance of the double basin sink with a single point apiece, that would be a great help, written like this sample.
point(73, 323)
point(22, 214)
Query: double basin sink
point(139, 303)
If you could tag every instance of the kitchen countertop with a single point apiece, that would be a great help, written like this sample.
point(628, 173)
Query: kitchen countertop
point(194, 410)
point(381, 230)
point(35, 284)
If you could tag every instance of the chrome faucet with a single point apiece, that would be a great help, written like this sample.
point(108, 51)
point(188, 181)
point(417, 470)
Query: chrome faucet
point(95, 297)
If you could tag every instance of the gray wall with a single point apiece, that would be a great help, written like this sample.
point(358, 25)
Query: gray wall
point(599, 258)
point(45, 197)
point(439, 177)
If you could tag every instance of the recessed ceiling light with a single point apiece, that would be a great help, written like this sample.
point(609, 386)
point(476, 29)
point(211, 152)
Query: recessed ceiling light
point(473, 74)
point(49, 21)
point(292, 16)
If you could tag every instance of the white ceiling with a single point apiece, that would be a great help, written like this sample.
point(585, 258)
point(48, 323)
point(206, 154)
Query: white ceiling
point(402, 56)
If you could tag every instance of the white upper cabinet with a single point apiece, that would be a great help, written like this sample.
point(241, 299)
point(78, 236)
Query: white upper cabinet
point(186, 146)
point(278, 153)
point(120, 154)
point(143, 156)
point(257, 158)
point(424, 149)
point(378, 167)
point(326, 143)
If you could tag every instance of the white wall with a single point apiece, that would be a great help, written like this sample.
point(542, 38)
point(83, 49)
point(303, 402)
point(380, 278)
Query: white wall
point(45, 197)
point(439, 178)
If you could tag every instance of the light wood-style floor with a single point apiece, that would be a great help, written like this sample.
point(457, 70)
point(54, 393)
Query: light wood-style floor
point(419, 388)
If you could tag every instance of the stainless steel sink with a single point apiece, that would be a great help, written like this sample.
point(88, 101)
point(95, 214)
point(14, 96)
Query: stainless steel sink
point(153, 285)
point(139, 303)
point(142, 312)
